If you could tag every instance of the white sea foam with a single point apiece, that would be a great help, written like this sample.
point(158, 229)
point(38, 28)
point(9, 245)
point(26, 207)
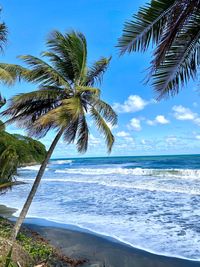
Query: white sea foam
point(59, 162)
point(182, 173)
point(143, 185)
point(31, 168)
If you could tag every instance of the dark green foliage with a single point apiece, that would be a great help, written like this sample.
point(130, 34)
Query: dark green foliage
point(17, 150)
point(27, 149)
point(2, 126)
point(8, 163)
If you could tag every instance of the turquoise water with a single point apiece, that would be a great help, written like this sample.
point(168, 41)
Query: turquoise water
point(152, 203)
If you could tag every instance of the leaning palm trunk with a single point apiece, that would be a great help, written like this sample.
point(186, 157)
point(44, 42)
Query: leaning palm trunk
point(34, 188)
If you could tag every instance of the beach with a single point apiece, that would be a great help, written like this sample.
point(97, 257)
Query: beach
point(97, 250)
point(136, 208)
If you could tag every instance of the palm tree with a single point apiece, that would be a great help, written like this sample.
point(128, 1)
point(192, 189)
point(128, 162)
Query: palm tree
point(64, 99)
point(8, 163)
point(173, 27)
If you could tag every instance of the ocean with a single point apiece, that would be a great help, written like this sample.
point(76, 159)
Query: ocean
point(150, 202)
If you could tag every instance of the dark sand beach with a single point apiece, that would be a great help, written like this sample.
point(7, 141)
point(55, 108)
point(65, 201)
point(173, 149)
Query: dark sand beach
point(98, 250)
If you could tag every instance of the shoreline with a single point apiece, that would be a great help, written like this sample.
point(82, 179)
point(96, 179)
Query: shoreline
point(75, 241)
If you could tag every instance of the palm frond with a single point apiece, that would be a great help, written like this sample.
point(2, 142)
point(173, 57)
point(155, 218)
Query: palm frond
point(3, 35)
point(146, 26)
point(96, 71)
point(106, 111)
point(175, 24)
point(82, 135)
point(88, 89)
point(181, 61)
point(27, 108)
point(51, 120)
point(73, 107)
point(9, 73)
point(42, 72)
point(72, 48)
point(103, 128)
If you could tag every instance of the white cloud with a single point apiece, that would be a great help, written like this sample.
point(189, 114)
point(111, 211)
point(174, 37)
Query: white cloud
point(122, 134)
point(182, 113)
point(197, 137)
point(135, 124)
point(185, 114)
point(132, 104)
point(160, 119)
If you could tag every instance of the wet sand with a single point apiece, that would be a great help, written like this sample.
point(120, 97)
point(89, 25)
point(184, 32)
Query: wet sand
point(99, 250)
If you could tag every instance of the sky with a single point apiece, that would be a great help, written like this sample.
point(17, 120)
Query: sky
point(145, 126)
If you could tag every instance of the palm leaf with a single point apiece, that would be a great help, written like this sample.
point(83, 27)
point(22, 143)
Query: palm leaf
point(72, 48)
point(96, 72)
point(173, 28)
point(103, 128)
point(42, 72)
point(181, 61)
point(106, 111)
point(3, 35)
point(83, 134)
point(146, 26)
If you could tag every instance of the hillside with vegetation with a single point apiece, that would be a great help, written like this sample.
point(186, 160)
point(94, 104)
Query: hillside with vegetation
point(17, 150)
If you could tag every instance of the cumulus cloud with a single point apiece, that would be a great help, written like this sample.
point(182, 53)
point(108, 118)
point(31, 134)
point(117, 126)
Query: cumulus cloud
point(135, 124)
point(132, 104)
point(185, 114)
point(160, 119)
point(182, 113)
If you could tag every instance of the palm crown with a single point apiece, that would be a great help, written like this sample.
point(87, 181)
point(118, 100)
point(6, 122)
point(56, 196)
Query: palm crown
point(66, 92)
point(173, 26)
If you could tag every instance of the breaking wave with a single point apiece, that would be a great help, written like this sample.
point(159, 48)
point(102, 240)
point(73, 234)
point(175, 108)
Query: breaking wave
point(182, 173)
point(59, 162)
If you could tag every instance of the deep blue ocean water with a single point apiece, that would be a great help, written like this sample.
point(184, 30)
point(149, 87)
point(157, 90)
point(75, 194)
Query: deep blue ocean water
point(152, 203)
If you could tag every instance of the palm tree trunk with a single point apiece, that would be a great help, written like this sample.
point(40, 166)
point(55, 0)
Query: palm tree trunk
point(34, 188)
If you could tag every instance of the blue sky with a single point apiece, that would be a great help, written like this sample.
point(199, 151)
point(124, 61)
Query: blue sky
point(145, 127)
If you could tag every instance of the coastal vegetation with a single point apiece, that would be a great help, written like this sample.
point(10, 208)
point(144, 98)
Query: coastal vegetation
point(173, 28)
point(15, 151)
point(65, 97)
point(31, 249)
